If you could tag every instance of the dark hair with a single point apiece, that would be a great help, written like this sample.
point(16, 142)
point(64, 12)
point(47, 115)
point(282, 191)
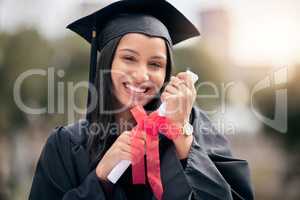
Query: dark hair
point(98, 142)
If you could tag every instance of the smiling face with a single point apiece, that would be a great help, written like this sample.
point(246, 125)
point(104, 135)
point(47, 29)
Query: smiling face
point(138, 69)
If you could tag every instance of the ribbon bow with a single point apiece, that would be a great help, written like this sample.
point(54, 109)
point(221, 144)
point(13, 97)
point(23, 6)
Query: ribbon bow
point(152, 125)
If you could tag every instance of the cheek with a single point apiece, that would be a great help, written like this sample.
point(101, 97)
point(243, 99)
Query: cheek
point(116, 72)
point(160, 78)
point(116, 80)
point(116, 86)
point(119, 68)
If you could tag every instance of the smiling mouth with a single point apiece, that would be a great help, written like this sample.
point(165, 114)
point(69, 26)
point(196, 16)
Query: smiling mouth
point(136, 90)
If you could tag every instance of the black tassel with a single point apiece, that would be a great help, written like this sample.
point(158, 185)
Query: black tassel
point(92, 73)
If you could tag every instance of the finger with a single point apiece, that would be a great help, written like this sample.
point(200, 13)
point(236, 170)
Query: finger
point(125, 148)
point(135, 150)
point(176, 82)
point(188, 92)
point(127, 134)
point(182, 87)
point(139, 139)
point(188, 81)
point(171, 89)
point(138, 142)
point(126, 156)
point(186, 78)
point(188, 95)
point(166, 95)
point(126, 139)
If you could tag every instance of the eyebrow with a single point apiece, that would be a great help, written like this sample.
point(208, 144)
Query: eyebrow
point(137, 53)
point(133, 51)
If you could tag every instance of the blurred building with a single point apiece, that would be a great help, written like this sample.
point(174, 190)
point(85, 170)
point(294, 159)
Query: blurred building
point(215, 30)
point(216, 35)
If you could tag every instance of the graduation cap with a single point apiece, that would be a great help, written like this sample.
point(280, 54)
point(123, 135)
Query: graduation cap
point(151, 17)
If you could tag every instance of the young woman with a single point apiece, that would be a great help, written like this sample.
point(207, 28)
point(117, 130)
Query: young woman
point(135, 41)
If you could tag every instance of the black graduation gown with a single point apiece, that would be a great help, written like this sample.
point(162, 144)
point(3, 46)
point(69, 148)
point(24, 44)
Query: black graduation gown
point(63, 170)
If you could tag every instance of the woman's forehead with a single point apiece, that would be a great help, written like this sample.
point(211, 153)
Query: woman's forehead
point(141, 41)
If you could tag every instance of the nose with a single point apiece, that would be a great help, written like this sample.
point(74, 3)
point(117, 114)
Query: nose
point(140, 74)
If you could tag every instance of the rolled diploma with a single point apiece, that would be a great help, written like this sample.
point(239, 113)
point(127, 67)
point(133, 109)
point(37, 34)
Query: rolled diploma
point(120, 168)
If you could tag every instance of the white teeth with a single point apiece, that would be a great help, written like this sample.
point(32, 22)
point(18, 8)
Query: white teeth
point(135, 89)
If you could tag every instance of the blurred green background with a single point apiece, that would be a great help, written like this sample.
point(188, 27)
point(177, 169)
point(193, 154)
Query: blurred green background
point(247, 58)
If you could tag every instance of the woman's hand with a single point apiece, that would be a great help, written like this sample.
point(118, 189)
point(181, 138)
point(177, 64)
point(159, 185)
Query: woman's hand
point(120, 150)
point(179, 95)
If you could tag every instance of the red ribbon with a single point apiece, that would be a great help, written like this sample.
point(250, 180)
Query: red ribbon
point(152, 125)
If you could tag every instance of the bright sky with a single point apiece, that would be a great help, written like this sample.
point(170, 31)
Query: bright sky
point(264, 31)
point(52, 16)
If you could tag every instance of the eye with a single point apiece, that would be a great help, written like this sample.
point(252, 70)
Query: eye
point(129, 58)
point(156, 64)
